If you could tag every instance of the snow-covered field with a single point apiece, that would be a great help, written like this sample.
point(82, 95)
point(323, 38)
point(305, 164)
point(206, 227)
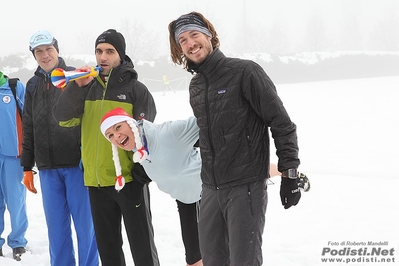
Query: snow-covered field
point(348, 139)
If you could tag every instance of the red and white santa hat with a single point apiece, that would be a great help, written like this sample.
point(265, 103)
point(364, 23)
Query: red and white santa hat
point(111, 118)
point(114, 116)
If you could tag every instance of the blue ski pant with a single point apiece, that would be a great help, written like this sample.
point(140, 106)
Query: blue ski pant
point(13, 197)
point(65, 198)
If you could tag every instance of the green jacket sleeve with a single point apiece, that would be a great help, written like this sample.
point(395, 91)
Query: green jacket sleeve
point(69, 109)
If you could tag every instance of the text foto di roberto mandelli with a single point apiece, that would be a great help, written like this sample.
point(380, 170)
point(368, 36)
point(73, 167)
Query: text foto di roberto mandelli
point(356, 243)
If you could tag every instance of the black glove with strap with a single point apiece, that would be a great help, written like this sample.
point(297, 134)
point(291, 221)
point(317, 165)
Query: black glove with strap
point(289, 192)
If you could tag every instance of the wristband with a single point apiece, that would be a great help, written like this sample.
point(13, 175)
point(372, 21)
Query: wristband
point(290, 173)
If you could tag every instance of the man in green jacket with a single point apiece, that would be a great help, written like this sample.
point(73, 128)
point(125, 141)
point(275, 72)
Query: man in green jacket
point(84, 102)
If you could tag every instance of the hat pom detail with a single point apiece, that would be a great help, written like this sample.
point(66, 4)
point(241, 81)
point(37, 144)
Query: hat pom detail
point(120, 182)
point(140, 155)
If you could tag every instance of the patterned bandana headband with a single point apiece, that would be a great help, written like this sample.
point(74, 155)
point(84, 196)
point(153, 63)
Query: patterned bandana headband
point(189, 22)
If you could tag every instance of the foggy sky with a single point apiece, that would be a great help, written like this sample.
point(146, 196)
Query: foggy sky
point(76, 24)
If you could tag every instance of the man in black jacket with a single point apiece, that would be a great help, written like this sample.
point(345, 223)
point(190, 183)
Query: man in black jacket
point(56, 152)
point(235, 103)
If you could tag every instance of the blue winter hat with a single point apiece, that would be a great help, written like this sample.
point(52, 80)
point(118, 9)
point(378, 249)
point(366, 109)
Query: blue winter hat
point(40, 38)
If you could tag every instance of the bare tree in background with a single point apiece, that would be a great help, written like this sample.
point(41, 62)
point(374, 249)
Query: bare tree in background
point(140, 41)
point(315, 38)
point(385, 36)
point(262, 39)
point(85, 42)
point(272, 40)
point(12, 60)
point(351, 36)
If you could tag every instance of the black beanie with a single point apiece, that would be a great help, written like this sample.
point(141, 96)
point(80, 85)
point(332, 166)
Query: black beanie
point(115, 38)
point(56, 45)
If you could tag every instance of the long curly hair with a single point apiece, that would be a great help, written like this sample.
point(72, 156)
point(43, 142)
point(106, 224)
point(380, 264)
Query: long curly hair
point(176, 53)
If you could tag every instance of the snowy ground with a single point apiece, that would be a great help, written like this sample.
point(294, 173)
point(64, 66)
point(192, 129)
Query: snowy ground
point(348, 142)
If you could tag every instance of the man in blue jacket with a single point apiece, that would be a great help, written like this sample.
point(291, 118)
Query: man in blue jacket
point(12, 192)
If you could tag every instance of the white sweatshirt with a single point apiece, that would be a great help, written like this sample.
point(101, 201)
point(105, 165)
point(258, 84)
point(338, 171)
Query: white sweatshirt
point(174, 163)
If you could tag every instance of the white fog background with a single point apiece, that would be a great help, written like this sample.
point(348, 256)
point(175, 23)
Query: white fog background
point(278, 26)
point(347, 128)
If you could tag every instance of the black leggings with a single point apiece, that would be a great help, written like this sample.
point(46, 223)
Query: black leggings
point(189, 230)
point(108, 207)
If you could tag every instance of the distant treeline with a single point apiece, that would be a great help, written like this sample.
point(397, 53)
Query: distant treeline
point(344, 66)
point(341, 67)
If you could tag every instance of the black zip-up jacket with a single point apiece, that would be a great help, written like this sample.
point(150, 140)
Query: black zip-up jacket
point(45, 142)
point(236, 103)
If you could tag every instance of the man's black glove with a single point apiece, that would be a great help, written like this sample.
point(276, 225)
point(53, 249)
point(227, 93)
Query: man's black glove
point(289, 192)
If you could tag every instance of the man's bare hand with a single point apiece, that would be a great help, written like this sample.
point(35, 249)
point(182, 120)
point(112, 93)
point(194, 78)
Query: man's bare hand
point(82, 82)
